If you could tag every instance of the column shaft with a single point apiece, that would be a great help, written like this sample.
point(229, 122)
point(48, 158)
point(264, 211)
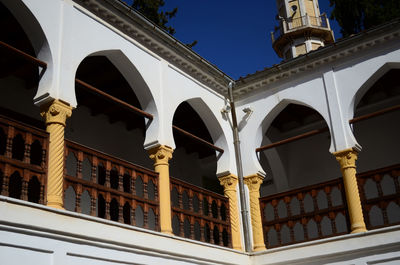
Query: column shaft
point(55, 114)
point(229, 182)
point(161, 155)
point(347, 160)
point(254, 182)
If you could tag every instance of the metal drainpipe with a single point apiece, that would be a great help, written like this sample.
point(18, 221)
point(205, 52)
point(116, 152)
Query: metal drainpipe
point(236, 142)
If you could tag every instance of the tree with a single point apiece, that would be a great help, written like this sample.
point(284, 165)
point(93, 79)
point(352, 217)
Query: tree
point(354, 16)
point(150, 9)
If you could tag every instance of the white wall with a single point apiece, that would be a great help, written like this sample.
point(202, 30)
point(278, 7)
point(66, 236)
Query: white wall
point(39, 235)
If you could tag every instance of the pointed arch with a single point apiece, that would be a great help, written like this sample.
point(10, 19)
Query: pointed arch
point(377, 135)
point(214, 129)
point(129, 71)
point(23, 31)
point(288, 118)
point(34, 31)
point(363, 89)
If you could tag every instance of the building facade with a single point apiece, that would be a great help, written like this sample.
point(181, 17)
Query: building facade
point(117, 146)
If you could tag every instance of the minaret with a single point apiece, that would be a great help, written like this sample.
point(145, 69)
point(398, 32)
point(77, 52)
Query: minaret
point(301, 28)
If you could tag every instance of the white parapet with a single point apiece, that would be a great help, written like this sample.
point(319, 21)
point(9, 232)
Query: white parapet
point(38, 235)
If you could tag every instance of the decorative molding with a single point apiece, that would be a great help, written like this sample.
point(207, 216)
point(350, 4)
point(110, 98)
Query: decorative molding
point(312, 60)
point(56, 112)
point(133, 24)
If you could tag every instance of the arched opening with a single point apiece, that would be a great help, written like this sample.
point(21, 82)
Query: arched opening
point(34, 190)
point(19, 76)
point(110, 126)
point(376, 127)
point(298, 162)
point(378, 135)
point(21, 40)
point(193, 161)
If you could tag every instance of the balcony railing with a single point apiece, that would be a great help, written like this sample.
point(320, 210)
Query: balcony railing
point(200, 214)
point(305, 214)
point(320, 211)
point(292, 24)
point(380, 196)
point(100, 185)
point(23, 161)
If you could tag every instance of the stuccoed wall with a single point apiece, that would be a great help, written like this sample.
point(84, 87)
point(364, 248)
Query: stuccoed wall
point(333, 90)
point(45, 236)
point(34, 234)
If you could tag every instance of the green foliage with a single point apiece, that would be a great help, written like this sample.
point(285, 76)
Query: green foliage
point(150, 9)
point(354, 16)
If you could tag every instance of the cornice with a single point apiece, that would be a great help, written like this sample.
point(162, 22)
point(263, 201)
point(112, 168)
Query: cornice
point(366, 40)
point(142, 30)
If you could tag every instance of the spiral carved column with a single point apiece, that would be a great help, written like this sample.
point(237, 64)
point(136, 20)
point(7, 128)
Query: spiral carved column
point(254, 182)
point(55, 114)
point(161, 155)
point(229, 182)
point(347, 160)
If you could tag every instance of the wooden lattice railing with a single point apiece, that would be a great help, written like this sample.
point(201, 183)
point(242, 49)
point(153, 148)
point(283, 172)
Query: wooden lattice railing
point(23, 161)
point(101, 185)
point(320, 210)
point(380, 196)
point(200, 214)
point(304, 214)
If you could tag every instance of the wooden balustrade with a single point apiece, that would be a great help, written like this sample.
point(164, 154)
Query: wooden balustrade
point(100, 185)
point(380, 196)
point(305, 214)
point(23, 161)
point(200, 214)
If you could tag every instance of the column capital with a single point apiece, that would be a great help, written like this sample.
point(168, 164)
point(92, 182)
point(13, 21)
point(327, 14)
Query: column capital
point(56, 112)
point(161, 154)
point(254, 182)
point(346, 158)
point(229, 182)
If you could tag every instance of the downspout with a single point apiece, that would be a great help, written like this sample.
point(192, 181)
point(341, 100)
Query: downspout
point(236, 143)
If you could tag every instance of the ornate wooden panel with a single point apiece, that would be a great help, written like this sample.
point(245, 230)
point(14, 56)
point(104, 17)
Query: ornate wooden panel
point(101, 185)
point(380, 196)
point(23, 161)
point(305, 214)
point(200, 214)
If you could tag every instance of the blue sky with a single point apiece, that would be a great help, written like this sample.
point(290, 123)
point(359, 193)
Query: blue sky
point(233, 35)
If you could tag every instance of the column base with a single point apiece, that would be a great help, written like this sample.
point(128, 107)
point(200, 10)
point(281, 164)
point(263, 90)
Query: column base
point(55, 201)
point(167, 232)
point(358, 228)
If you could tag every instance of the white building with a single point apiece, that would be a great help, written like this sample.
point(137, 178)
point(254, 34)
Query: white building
point(137, 149)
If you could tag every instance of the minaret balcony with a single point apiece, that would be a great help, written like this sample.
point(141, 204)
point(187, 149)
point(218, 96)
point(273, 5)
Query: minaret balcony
point(304, 26)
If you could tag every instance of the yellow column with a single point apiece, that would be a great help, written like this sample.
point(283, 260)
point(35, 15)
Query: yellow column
point(229, 182)
point(254, 182)
point(347, 160)
point(55, 114)
point(161, 155)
